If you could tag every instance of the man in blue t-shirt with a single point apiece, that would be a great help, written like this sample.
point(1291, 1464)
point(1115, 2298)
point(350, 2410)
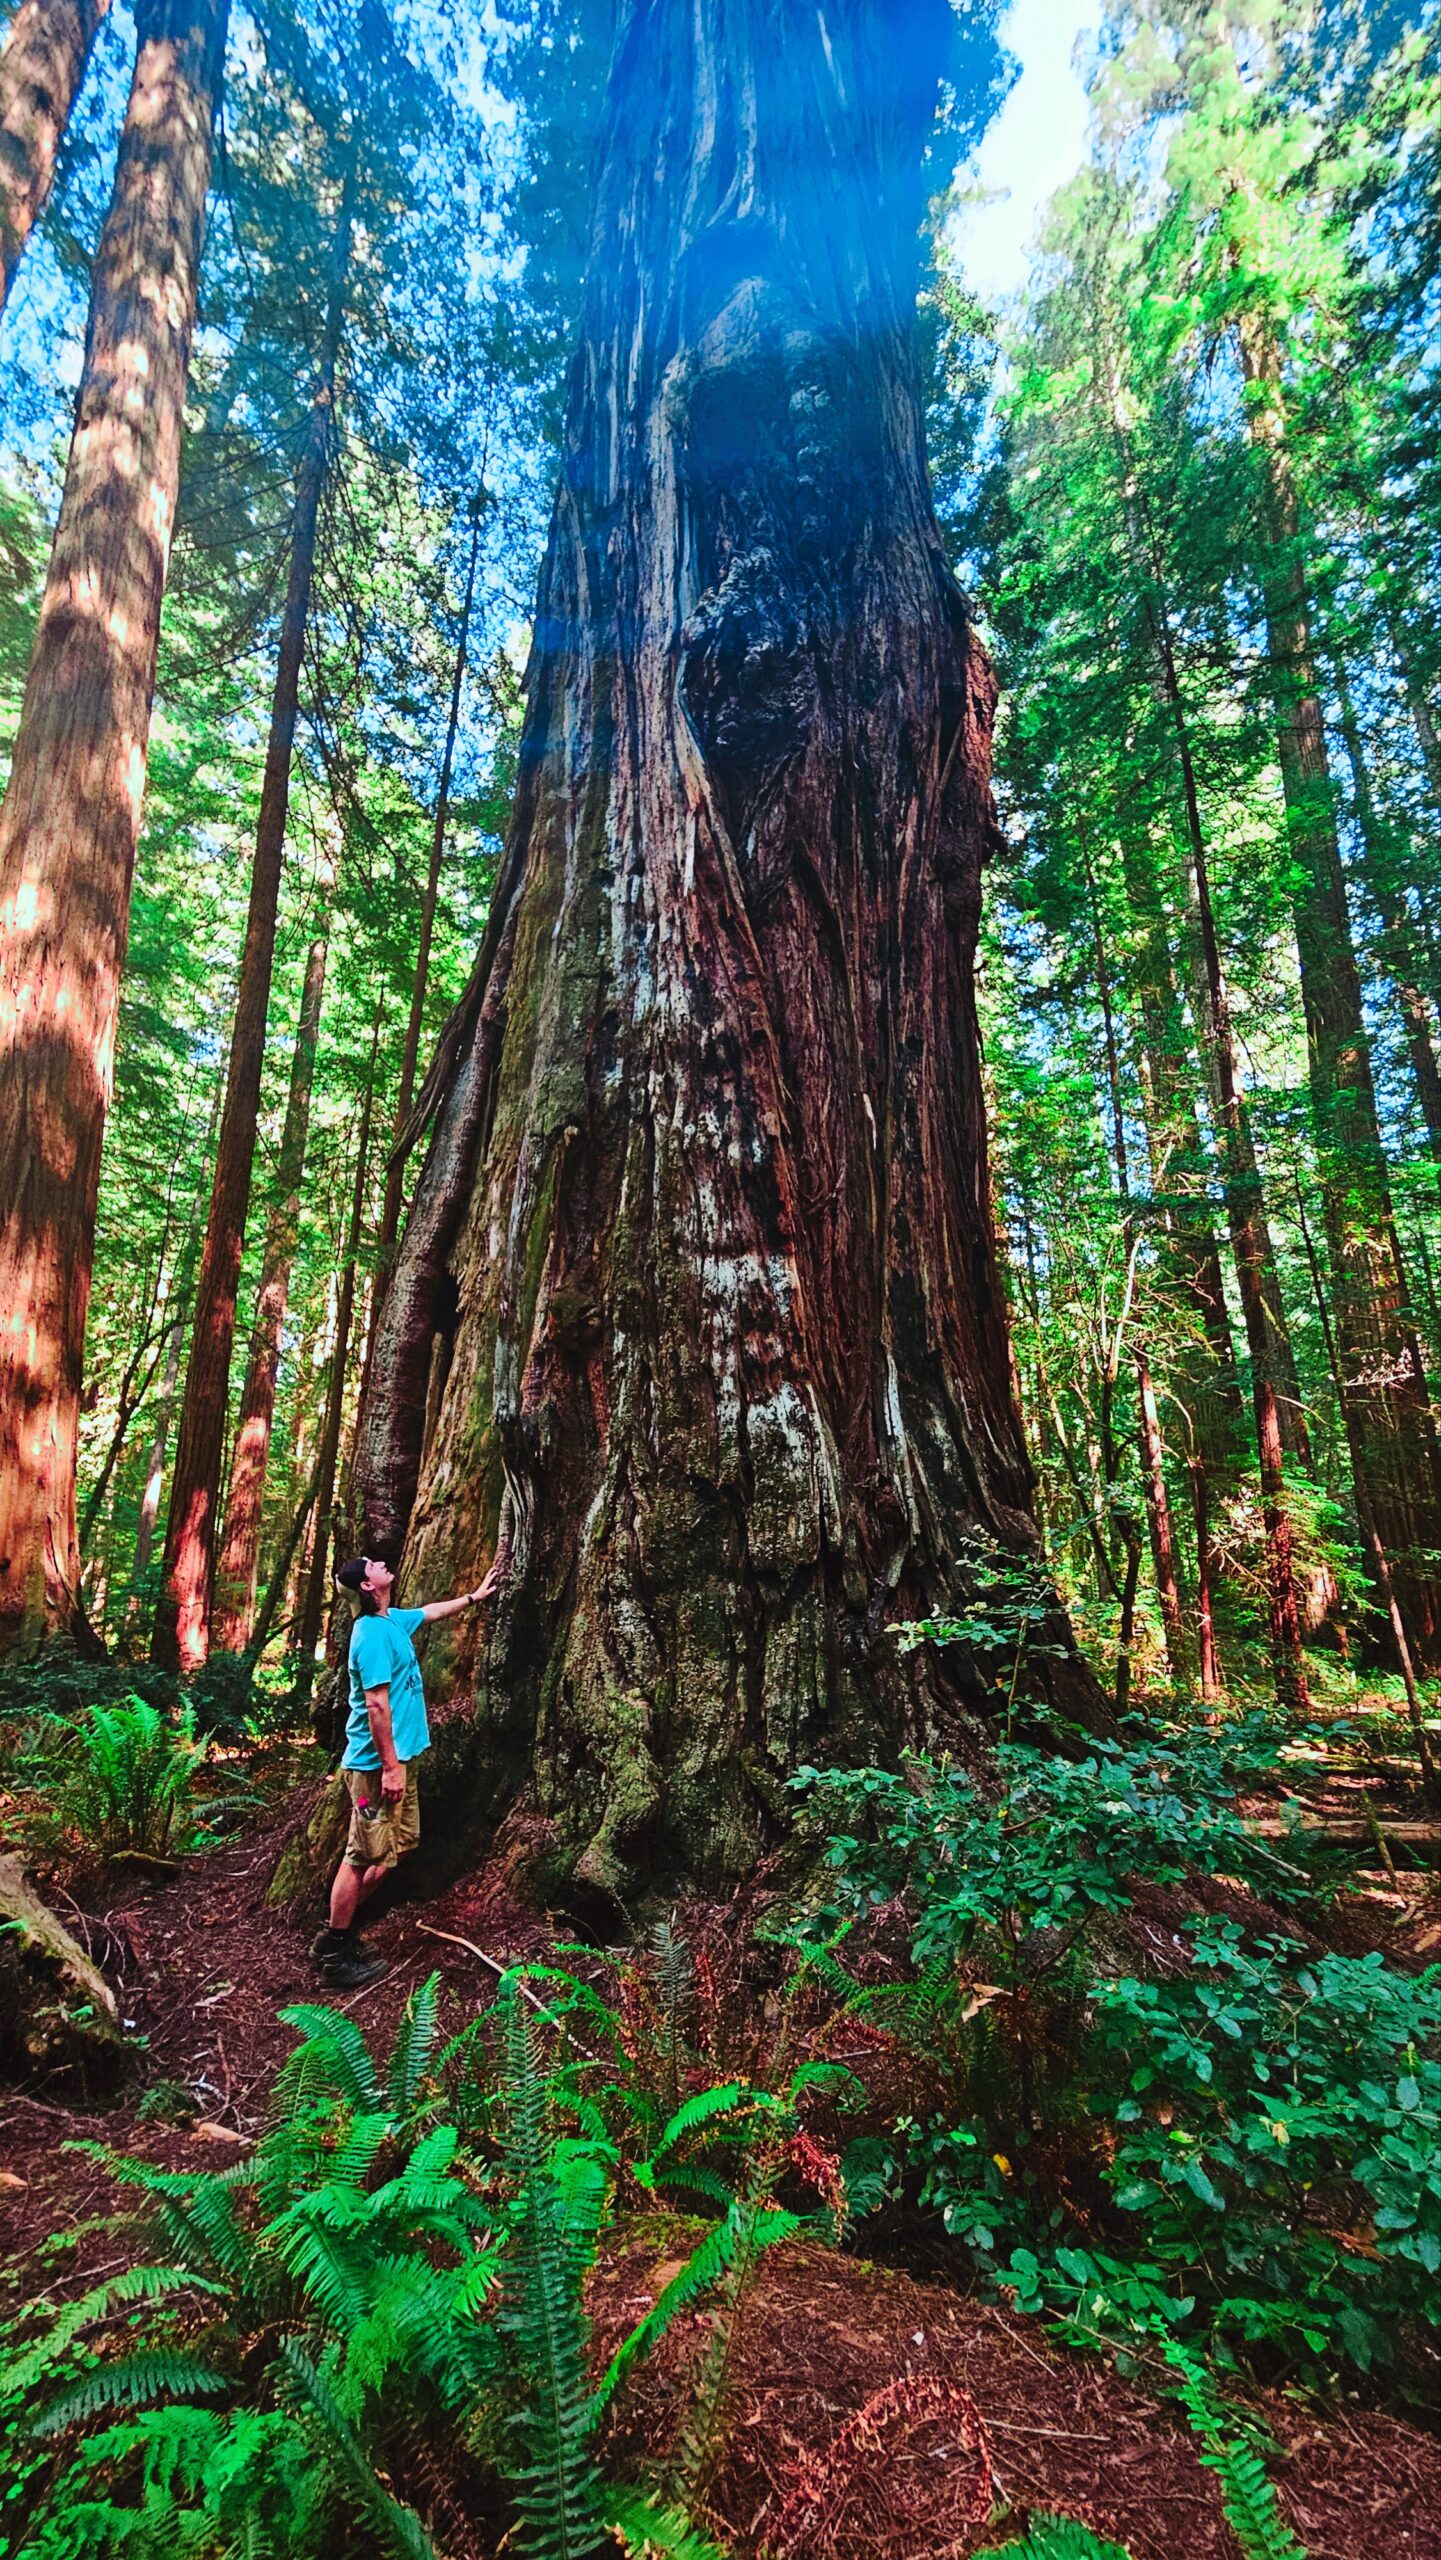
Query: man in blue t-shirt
point(385, 1734)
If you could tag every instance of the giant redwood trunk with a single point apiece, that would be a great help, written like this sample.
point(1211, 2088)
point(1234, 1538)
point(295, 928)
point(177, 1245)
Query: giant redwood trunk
point(42, 63)
point(697, 1307)
point(1390, 1427)
point(71, 815)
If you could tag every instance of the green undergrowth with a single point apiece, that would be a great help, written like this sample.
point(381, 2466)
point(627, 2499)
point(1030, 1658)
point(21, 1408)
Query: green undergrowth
point(1144, 2119)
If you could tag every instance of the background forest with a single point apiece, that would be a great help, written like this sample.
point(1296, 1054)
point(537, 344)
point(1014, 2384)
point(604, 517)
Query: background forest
point(1115, 2038)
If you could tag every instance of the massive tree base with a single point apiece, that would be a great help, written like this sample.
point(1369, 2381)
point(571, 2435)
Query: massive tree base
point(697, 1312)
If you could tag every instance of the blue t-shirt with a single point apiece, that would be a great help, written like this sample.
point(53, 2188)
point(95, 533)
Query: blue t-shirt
point(381, 1656)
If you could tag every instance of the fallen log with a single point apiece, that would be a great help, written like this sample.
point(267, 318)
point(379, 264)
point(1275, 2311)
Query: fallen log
point(56, 2008)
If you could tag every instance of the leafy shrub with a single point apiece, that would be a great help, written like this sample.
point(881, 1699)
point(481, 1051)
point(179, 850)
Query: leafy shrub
point(1057, 1844)
point(1269, 2105)
point(1247, 2149)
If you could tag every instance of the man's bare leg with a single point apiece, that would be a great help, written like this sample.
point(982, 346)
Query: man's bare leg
point(352, 1886)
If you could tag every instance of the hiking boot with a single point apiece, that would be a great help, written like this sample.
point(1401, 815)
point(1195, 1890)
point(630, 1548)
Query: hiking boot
point(343, 1962)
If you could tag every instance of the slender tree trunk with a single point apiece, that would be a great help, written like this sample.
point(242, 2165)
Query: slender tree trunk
point(405, 1095)
point(1370, 1535)
point(328, 1455)
point(1422, 720)
point(727, 1379)
point(1250, 1242)
point(1148, 1422)
point(42, 64)
point(1158, 1518)
point(133, 1391)
point(1207, 1372)
point(1272, 1368)
point(238, 1565)
point(1242, 1171)
point(1396, 939)
point(71, 815)
point(182, 1624)
point(1380, 1361)
point(154, 1476)
point(1211, 1683)
point(260, 1632)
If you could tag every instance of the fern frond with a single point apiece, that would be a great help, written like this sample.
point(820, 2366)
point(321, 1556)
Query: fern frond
point(1250, 2504)
point(756, 2225)
point(414, 2043)
point(398, 2528)
point(706, 2107)
point(334, 2058)
point(699, 2182)
point(158, 2373)
point(137, 2284)
point(558, 2487)
point(1248, 2497)
point(1057, 2538)
point(650, 2531)
point(703, 2270)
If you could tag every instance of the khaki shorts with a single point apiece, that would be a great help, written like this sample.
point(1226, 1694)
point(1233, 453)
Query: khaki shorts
point(380, 1831)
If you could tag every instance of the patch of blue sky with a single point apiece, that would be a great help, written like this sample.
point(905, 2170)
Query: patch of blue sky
point(1036, 143)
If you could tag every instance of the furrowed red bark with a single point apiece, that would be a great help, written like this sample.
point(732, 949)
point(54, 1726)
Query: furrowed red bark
point(698, 1291)
point(182, 1619)
point(71, 815)
point(42, 64)
point(1394, 1443)
point(237, 1567)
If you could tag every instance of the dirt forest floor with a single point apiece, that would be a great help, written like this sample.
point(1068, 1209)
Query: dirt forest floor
point(905, 2406)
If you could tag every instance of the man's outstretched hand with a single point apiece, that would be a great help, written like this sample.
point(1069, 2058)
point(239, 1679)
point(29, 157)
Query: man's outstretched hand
point(487, 1589)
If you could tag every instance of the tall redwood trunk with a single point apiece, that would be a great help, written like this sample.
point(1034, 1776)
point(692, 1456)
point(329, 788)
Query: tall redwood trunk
point(1245, 1211)
point(71, 815)
point(42, 63)
point(1392, 1432)
point(1148, 1419)
point(237, 1567)
point(1206, 1369)
point(420, 983)
point(698, 1290)
point(182, 1620)
point(1267, 1328)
